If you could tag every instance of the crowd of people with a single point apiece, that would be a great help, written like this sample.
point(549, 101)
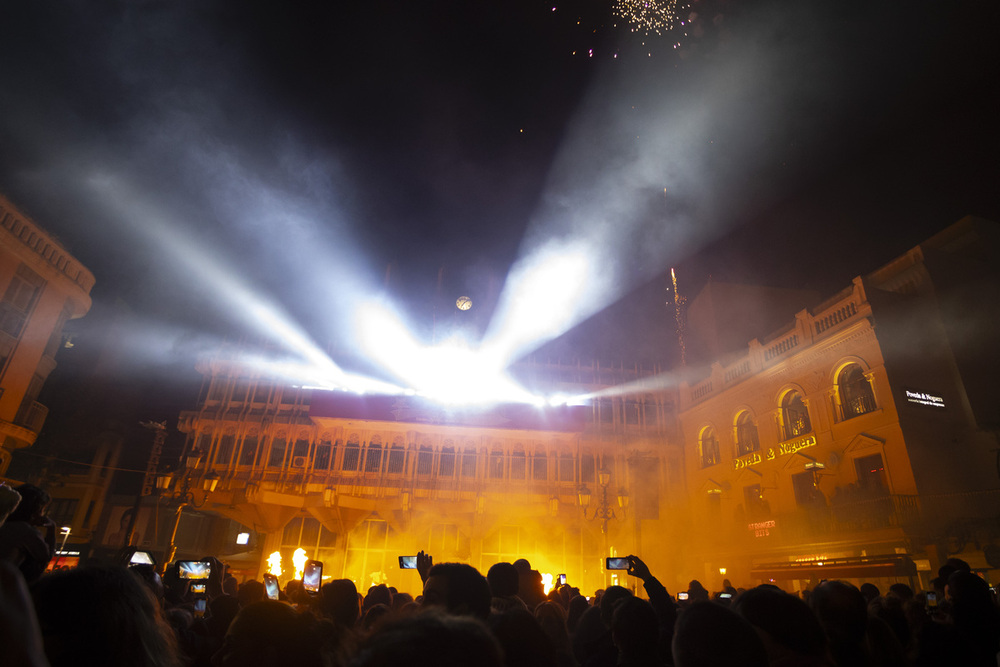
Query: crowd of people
point(135, 616)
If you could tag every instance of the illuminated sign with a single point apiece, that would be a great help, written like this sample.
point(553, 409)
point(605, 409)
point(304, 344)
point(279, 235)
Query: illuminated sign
point(795, 445)
point(761, 528)
point(923, 398)
point(747, 460)
point(784, 449)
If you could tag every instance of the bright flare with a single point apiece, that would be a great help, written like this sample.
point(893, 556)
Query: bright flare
point(452, 372)
point(547, 580)
point(299, 559)
point(274, 564)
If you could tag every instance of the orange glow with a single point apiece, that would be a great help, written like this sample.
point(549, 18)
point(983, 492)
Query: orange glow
point(299, 559)
point(274, 564)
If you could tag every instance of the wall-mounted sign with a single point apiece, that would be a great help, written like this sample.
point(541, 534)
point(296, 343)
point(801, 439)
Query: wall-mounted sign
point(923, 398)
point(747, 460)
point(761, 528)
point(793, 446)
point(784, 449)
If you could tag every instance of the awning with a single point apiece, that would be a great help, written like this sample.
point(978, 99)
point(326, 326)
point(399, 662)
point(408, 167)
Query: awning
point(861, 567)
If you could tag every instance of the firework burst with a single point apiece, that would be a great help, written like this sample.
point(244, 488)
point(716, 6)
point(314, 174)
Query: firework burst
point(649, 16)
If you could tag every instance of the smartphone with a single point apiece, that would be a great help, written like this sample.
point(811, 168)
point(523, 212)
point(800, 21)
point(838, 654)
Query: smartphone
point(407, 562)
point(199, 607)
point(725, 596)
point(562, 580)
point(932, 599)
point(619, 563)
point(271, 586)
point(682, 595)
point(142, 558)
point(193, 569)
point(198, 587)
point(312, 576)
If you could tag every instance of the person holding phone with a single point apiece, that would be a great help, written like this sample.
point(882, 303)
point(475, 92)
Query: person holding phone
point(28, 538)
point(663, 605)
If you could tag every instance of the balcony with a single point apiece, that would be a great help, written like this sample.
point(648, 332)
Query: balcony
point(31, 416)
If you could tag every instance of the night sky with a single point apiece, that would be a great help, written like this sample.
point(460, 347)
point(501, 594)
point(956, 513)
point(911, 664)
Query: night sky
point(304, 148)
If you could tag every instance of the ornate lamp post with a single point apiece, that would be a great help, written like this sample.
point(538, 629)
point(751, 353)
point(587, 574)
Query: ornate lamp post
point(604, 511)
point(183, 494)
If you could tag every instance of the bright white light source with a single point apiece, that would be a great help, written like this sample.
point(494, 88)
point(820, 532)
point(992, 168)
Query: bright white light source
point(452, 372)
point(243, 538)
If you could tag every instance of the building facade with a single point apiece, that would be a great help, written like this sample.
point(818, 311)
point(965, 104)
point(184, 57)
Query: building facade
point(846, 444)
point(359, 481)
point(42, 287)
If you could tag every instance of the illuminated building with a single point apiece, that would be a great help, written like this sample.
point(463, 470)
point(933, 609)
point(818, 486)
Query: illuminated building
point(864, 427)
point(358, 481)
point(41, 287)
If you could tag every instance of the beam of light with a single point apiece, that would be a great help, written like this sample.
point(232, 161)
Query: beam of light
point(546, 293)
point(266, 318)
point(274, 564)
point(307, 375)
point(644, 385)
point(299, 559)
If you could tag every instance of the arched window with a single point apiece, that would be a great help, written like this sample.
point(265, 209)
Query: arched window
point(746, 434)
point(855, 392)
point(709, 446)
point(794, 416)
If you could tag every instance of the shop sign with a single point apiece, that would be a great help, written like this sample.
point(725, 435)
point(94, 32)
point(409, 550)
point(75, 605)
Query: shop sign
point(761, 528)
point(795, 445)
point(747, 460)
point(923, 398)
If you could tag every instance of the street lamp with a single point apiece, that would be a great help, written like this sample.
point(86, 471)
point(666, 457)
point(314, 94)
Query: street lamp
point(183, 493)
point(604, 511)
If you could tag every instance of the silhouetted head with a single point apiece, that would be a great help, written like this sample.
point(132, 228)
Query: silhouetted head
point(270, 634)
point(459, 589)
point(709, 635)
point(430, 638)
point(374, 615)
point(251, 591)
point(32, 506)
point(901, 591)
point(634, 628)
point(9, 499)
point(379, 594)
point(784, 620)
point(842, 612)
point(612, 596)
point(503, 579)
point(522, 566)
point(951, 566)
point(552, 618)
point(697, 592)
point(339, 601)
point(522, 639)
point(869, 591)
point(101, 616)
